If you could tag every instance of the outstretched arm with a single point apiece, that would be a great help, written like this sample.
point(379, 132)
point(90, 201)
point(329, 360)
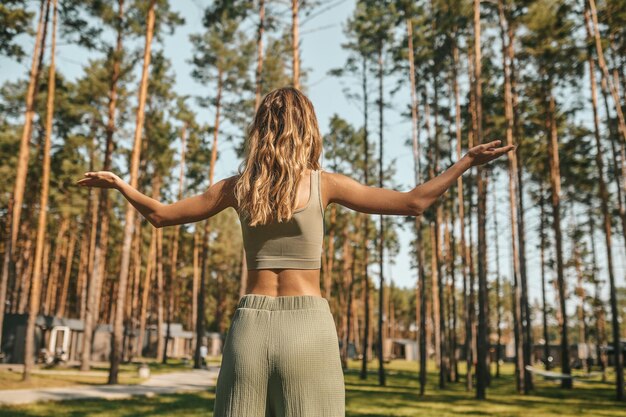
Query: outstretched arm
point(346, 191)
point(192, 209)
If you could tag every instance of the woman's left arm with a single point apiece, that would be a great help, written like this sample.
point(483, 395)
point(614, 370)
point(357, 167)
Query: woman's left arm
point(216, 198)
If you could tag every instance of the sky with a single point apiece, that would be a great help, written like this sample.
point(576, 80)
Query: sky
point(321, 38)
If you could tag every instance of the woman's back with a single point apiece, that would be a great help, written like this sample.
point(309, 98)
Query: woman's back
point(285, 258)
point(293, 244)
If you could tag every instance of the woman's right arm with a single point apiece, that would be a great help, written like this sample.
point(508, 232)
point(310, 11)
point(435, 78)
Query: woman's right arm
point(216, 198)
point(347, 192)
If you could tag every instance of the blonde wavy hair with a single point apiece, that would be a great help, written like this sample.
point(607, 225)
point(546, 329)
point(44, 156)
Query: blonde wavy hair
point(281, 143)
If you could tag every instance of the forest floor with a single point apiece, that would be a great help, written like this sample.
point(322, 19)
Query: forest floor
point(365, 398)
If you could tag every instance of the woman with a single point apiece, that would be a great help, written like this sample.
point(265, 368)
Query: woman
point(281, 353)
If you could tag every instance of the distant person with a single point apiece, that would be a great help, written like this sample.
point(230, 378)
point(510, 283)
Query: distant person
point(204, 351)
point(281, 353)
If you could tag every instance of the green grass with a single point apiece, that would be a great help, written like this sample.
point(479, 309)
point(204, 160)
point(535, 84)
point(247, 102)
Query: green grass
point(365, 398)
point(48, 378)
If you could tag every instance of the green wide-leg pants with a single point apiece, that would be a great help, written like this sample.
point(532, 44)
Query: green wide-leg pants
point(281, 359)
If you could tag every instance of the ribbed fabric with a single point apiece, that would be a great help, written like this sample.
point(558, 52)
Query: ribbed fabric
point(294, 244)
point(281, 359)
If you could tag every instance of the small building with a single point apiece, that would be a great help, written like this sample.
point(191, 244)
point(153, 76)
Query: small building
point(401, 348)
point(56, 339)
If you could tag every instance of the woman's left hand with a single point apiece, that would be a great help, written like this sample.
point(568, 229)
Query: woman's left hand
point(100, 179)
point(487, 152)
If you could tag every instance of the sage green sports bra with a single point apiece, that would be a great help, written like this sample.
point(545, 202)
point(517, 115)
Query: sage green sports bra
point(294, 244)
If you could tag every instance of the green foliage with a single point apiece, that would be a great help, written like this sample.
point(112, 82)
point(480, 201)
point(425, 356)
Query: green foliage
point(222, 56)
point(14, 21)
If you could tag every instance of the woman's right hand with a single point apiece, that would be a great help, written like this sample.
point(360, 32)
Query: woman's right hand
point(487, 152)
point(100, 179)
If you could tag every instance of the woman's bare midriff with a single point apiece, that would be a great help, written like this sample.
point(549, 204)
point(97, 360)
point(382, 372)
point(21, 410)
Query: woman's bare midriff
point(283, 282)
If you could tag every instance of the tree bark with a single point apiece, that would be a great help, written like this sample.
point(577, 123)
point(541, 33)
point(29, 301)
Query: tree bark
point(366, 295)
point(420, 313)
point(14, 208)
point(483, 300)
point(513, 203)
point(61, 306)
point(544, 308)
point(97, 266)
point(604, 197)
point(145, 291)
point(53, 277)
point(207, 228)
point(555, 179)
point(259, 62)
point(295, 44)
point(29, 350)
point(116, 340)
point(381, 239)
point(614, 93)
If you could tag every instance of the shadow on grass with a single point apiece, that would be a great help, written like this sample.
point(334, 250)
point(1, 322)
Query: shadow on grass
point(365, 398)
point(187, 404)
point(400, 397)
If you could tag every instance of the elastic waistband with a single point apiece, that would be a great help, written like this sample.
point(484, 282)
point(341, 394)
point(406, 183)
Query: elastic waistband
point(283, 302)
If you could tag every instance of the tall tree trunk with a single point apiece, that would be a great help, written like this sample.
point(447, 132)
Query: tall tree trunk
point(81, 290)
point(90, 248)
point(174, 250)
point(439, 304)
point(130, 311)
point(207, 229)
point(420, 312)
point(118, 327)
point(461, 203)
point(483, 300)
point(61, 306)
point(196, 280)
point(555, 179)
point(131, 314)
point(498, 281)
point(616, 101)
point(53, 277)
point(544, 308)
point(145, 291)
point(366, 289)
point(26, 273)
point(435, 312)
point(435, 282)
point(470, 331)
point(295, 43)
point(600, 321)
point(525, 336)
point(451, 295)
point(604, 197)
point(29, 350)
point(580, 291)
point(381, 239)
point(15, 203)
point(618, 168)
point(160, 280)
point(98, 265)
point(259, 61)
point(513, 202)
point(348, 280)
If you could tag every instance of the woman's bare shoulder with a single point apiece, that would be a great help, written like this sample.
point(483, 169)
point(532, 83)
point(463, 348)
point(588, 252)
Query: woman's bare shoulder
point(228, 185)
point(330, 182)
